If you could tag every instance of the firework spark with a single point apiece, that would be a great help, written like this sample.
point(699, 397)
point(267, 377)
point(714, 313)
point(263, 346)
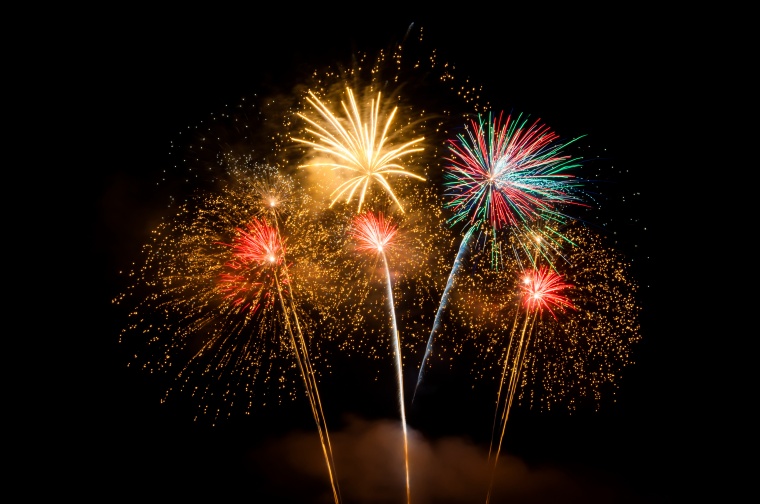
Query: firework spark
point(359, 146)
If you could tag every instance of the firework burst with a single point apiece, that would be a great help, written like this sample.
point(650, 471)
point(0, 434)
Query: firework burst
point(358, 145)
point(507, 173)
point(380, 126)
point(250, 276)
point(543, 289)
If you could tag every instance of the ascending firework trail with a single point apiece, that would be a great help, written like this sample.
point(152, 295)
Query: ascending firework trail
point(541, 289)
point(374, 234)
point(261, 246)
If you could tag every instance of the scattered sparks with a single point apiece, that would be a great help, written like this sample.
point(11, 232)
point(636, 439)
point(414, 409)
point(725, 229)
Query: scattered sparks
point(206, 306)
point(575, 359)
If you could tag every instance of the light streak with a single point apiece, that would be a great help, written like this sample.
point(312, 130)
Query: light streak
point(373, 233)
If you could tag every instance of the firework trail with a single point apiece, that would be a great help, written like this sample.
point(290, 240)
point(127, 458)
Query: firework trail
point(374, 234)
point(444, 302)
point(261, 244)
point(361, 148)
point(505, 173)
point(541, 289)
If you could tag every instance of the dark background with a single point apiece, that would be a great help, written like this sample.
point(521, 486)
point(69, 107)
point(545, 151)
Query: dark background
point(618, 77)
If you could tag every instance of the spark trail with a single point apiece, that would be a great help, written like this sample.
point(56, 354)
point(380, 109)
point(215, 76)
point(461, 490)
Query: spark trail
point(261, 244)
point(310, 380)
point(374, 234)
point(442, 305)
point(541, 289)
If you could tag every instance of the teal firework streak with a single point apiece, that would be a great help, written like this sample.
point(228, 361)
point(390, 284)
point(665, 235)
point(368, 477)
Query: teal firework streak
point(505, 173)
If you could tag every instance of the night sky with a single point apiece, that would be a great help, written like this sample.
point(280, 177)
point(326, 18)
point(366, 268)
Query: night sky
point(585, 75)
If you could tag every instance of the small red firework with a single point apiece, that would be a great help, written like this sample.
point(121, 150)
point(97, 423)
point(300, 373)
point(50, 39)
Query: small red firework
point(543, 288)
point(372, 232)
point(260, 243)
point(250, 278)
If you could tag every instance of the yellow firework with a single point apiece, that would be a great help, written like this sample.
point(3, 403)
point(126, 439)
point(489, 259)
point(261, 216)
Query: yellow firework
point(357, 147)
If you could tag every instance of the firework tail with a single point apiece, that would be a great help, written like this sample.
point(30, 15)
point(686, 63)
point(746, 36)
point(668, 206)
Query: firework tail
point(397, 351)
point(513, 380)
point(442, 305)
point(301, 354)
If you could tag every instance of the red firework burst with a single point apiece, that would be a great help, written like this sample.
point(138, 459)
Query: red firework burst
point(372, 232)
point(543, 288)
point(250, 275)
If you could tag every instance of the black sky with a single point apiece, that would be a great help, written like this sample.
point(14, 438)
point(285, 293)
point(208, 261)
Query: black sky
point(601, 74)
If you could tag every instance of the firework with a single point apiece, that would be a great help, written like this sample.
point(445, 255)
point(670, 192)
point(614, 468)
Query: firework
point(218, 299)
point(233, 319)
point(375, 234)
point(505, 173)
point(358, 145)
point(541, 289)
point(376, 142)
point(193, 315)
point(576, 359)
point(392, 103)
point(250, 275)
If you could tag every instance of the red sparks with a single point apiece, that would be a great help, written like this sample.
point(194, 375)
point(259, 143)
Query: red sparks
point(372, 232)
point(260, 244)
point(248, 279)
point(543, 289)
point(506, 172)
